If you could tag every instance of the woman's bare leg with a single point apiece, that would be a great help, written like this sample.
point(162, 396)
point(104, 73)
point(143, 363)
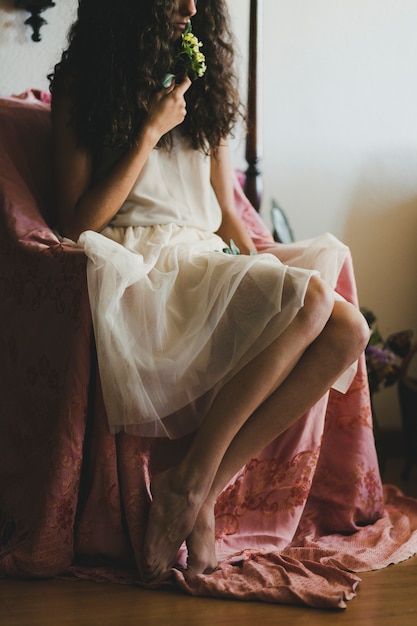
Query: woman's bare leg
point(341, 343)
point(180, 493)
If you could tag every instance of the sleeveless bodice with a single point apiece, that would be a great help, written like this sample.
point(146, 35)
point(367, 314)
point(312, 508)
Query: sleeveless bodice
point(173, 187)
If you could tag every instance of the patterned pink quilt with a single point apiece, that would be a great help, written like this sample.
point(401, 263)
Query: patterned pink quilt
point(297, 523)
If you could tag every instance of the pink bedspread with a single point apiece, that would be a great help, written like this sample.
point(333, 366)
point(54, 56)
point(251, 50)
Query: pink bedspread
point(297, 523)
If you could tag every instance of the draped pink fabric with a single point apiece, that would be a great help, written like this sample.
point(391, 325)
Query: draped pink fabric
point(295, 525)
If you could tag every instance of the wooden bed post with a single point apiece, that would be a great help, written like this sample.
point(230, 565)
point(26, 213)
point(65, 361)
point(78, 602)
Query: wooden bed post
point(253, 182)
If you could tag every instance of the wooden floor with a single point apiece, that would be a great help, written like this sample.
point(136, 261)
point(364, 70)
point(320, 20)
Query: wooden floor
point(384, 598)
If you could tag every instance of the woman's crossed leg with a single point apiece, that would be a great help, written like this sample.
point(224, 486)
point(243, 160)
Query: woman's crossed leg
point(263, 399)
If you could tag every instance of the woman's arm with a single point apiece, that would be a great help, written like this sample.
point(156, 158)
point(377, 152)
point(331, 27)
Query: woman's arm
point(221, 179)
point(83, 206)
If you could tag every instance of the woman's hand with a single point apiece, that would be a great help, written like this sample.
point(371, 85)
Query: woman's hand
point(86, 206)
point(168, 109)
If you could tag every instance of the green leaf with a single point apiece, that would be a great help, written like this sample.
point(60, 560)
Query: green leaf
point(232, 249)
point(167, 80)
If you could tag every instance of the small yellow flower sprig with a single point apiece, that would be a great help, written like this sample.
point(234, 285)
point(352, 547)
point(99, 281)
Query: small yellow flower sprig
point(193, 59)
point(189, 60)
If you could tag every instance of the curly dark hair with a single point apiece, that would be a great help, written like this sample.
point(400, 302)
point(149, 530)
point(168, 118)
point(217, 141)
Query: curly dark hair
point(117, 54)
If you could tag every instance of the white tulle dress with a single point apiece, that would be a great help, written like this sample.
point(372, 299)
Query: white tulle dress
point(174, 316)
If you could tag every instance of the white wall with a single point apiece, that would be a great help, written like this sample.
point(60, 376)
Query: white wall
point(340, 130)
point(23, 62)
point(340, 139)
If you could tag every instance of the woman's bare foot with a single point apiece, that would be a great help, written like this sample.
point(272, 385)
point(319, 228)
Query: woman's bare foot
point(201, 544)
point(171, 519)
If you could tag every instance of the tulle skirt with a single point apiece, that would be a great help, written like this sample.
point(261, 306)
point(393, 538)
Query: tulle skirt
point(175, 318)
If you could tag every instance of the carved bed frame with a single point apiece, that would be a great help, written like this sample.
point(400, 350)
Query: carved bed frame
point(253, 153)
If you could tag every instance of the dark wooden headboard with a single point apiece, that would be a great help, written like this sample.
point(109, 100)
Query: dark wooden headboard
point(253, 180)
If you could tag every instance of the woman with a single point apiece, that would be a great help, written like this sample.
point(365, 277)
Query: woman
point(188, 338)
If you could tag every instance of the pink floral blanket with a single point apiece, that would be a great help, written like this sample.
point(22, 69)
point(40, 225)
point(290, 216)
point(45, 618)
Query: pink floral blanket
point(296, 525)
